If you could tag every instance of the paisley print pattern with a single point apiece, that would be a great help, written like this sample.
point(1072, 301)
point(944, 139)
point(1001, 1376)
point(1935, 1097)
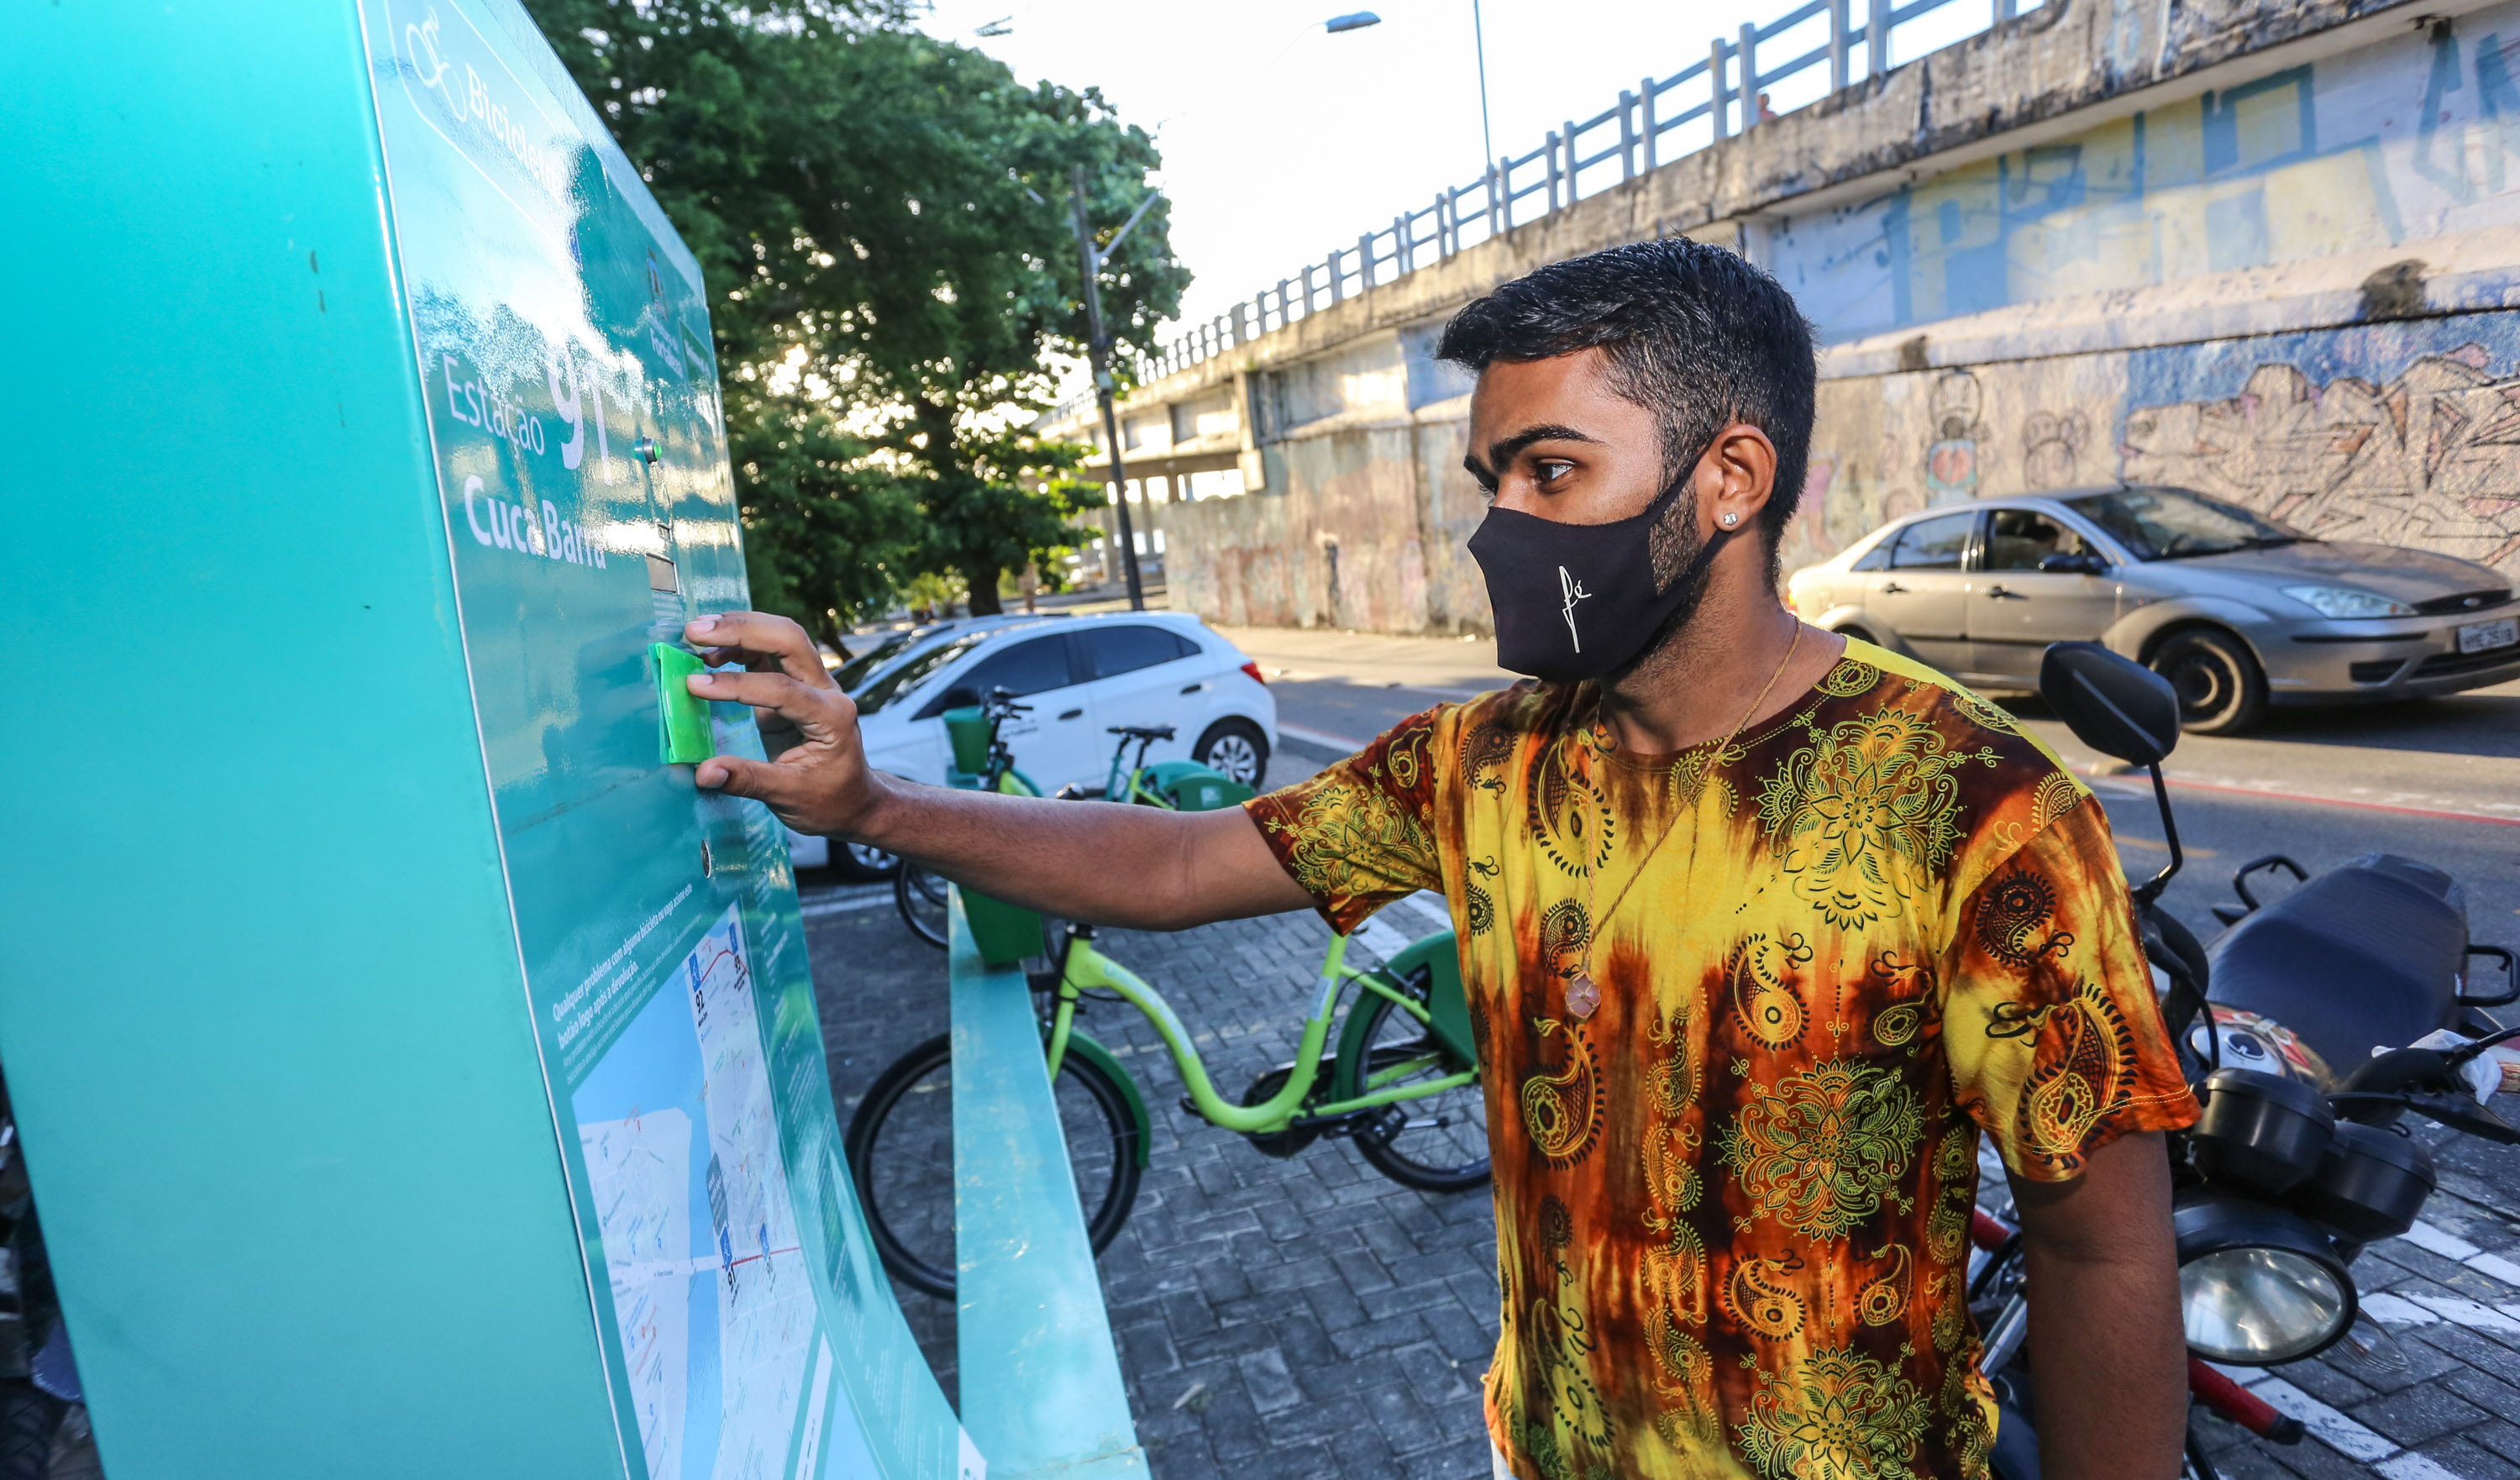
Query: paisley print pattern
point(1909, 987)
point(1761, 1296)
point(1979, 712)
point(1564, 931)
point(1733, 1203)
point(1566, 820)
point(2059, 791)
point(1955, 1177)
point(1686, 1377)
point(1478, 903)
point(1883, 1298)
point(2080, 1082)
point(1561, 1342)
point(1771, 1010)
point(1485, 749)
point(1557, 1225)
point(1949, 1325)
point(1561, 1109)
point(2010, 916)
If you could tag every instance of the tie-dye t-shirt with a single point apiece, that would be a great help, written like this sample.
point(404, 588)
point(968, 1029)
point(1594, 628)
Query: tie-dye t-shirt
point(1732, 1203)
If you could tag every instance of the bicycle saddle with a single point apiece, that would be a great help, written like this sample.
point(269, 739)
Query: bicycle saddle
point(1142, 732)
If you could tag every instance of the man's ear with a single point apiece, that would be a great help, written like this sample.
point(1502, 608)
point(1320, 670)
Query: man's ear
point(1735, 477)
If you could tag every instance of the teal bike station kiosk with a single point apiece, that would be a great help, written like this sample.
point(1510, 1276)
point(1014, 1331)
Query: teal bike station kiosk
point(418, 1075)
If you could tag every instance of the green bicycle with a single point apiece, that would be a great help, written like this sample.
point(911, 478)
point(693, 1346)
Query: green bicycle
point(1398, 1075)
point(1173, 786)
point(918, 893)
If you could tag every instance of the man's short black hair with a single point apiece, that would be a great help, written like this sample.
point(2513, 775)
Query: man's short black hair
point(1694, 335)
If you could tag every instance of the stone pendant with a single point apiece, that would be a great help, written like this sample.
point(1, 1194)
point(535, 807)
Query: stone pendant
point(1582, 997)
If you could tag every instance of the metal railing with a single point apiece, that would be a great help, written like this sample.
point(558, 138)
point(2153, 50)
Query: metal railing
point(1727, 89)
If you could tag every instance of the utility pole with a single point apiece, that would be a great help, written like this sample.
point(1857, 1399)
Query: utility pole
point(1098, 345)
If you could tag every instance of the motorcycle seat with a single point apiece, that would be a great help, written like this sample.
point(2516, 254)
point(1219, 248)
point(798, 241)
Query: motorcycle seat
point(2364, 955)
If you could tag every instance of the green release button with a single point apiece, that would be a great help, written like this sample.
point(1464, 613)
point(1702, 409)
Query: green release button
point(682, 716)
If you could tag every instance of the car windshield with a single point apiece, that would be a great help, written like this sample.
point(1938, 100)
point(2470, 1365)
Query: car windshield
point(2172, 523)
point(909, 675)
point(856, 670)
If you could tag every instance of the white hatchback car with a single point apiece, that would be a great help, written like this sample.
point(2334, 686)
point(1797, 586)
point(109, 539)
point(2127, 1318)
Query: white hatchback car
point(1082, 677)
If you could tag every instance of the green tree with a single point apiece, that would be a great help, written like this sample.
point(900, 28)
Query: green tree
point(883, 221)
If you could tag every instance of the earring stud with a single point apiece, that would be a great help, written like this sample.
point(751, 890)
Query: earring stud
point(1732, 520)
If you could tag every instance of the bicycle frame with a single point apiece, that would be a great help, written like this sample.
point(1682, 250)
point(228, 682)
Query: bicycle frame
point(1000, 775)
point(1128, 784)
point(1085, 969)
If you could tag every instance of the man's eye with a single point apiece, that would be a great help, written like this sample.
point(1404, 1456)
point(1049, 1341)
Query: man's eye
point(1549, 469)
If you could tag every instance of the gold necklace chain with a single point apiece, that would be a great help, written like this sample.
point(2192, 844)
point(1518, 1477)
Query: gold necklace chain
point(1583, 996)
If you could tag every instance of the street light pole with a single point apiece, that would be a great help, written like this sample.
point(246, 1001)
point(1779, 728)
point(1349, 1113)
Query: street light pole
point(1099, 347)
point(1479, 41)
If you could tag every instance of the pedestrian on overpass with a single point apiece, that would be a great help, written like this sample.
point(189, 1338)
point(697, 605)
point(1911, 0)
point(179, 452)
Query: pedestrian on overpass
point(1762, 932)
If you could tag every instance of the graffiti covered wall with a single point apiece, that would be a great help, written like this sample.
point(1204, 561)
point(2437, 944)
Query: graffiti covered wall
point(2397, 429)
point(2400, 433)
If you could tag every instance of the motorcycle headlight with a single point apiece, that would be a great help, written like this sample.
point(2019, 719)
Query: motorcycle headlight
point(2257, 1285)
point(2347, 600)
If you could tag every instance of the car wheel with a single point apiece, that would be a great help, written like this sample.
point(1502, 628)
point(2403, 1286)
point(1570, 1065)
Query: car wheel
point(1236, 750)
point(859, 864)
point(2221, 688)
point(1858, 635)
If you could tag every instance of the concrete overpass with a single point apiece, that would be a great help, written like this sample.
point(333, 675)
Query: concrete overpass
point(2265, 250)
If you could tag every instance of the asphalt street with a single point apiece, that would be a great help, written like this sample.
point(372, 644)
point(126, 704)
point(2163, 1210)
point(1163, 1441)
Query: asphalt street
point(2437, 780)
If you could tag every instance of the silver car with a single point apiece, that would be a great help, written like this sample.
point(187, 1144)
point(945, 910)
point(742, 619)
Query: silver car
point(2235, 610)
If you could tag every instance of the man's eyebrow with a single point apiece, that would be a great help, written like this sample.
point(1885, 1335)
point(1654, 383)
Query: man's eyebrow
point(1504, 449)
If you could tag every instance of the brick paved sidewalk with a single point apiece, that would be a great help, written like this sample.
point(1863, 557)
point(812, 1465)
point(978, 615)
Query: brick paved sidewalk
point(1308, 1317)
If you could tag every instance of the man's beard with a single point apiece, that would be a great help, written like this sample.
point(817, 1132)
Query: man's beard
point(1694, 556)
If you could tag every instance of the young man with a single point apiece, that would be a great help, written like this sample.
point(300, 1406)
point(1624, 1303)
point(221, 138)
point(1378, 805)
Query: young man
point(1762, 930)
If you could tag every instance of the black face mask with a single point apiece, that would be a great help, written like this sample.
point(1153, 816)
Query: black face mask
point(1578, 601)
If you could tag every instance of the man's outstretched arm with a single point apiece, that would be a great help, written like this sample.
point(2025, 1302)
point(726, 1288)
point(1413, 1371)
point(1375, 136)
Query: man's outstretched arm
point(1111, 865)
point(2105, 1339)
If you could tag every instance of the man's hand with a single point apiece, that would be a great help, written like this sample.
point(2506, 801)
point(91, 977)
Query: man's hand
point(2105, 1337)
point(1112, 864)
point(821, 785)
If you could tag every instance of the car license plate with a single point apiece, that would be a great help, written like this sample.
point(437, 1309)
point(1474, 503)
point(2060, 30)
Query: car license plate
point(2485, 637)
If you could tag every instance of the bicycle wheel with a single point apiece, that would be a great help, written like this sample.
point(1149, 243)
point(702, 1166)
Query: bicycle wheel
point(920, 896)
point(901, 1156)
point(1436, 1143)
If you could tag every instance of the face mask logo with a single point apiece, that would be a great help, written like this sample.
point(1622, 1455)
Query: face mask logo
point(1530, 564)
point(1572, 591)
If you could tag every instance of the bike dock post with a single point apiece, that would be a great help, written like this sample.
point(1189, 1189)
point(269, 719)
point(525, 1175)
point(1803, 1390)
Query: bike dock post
point(1040, 1381)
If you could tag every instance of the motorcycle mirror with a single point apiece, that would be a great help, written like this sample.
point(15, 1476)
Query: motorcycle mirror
point(2112, 703)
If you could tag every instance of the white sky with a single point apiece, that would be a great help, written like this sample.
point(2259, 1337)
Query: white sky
point(1280, 141)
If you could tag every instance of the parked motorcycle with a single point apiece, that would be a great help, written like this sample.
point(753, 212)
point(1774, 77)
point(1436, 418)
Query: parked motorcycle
point(2311, 1028)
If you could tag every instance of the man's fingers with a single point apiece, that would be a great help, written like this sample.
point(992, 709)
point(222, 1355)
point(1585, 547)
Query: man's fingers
point(759, 640)
point(736, 776)
point(812, 709)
